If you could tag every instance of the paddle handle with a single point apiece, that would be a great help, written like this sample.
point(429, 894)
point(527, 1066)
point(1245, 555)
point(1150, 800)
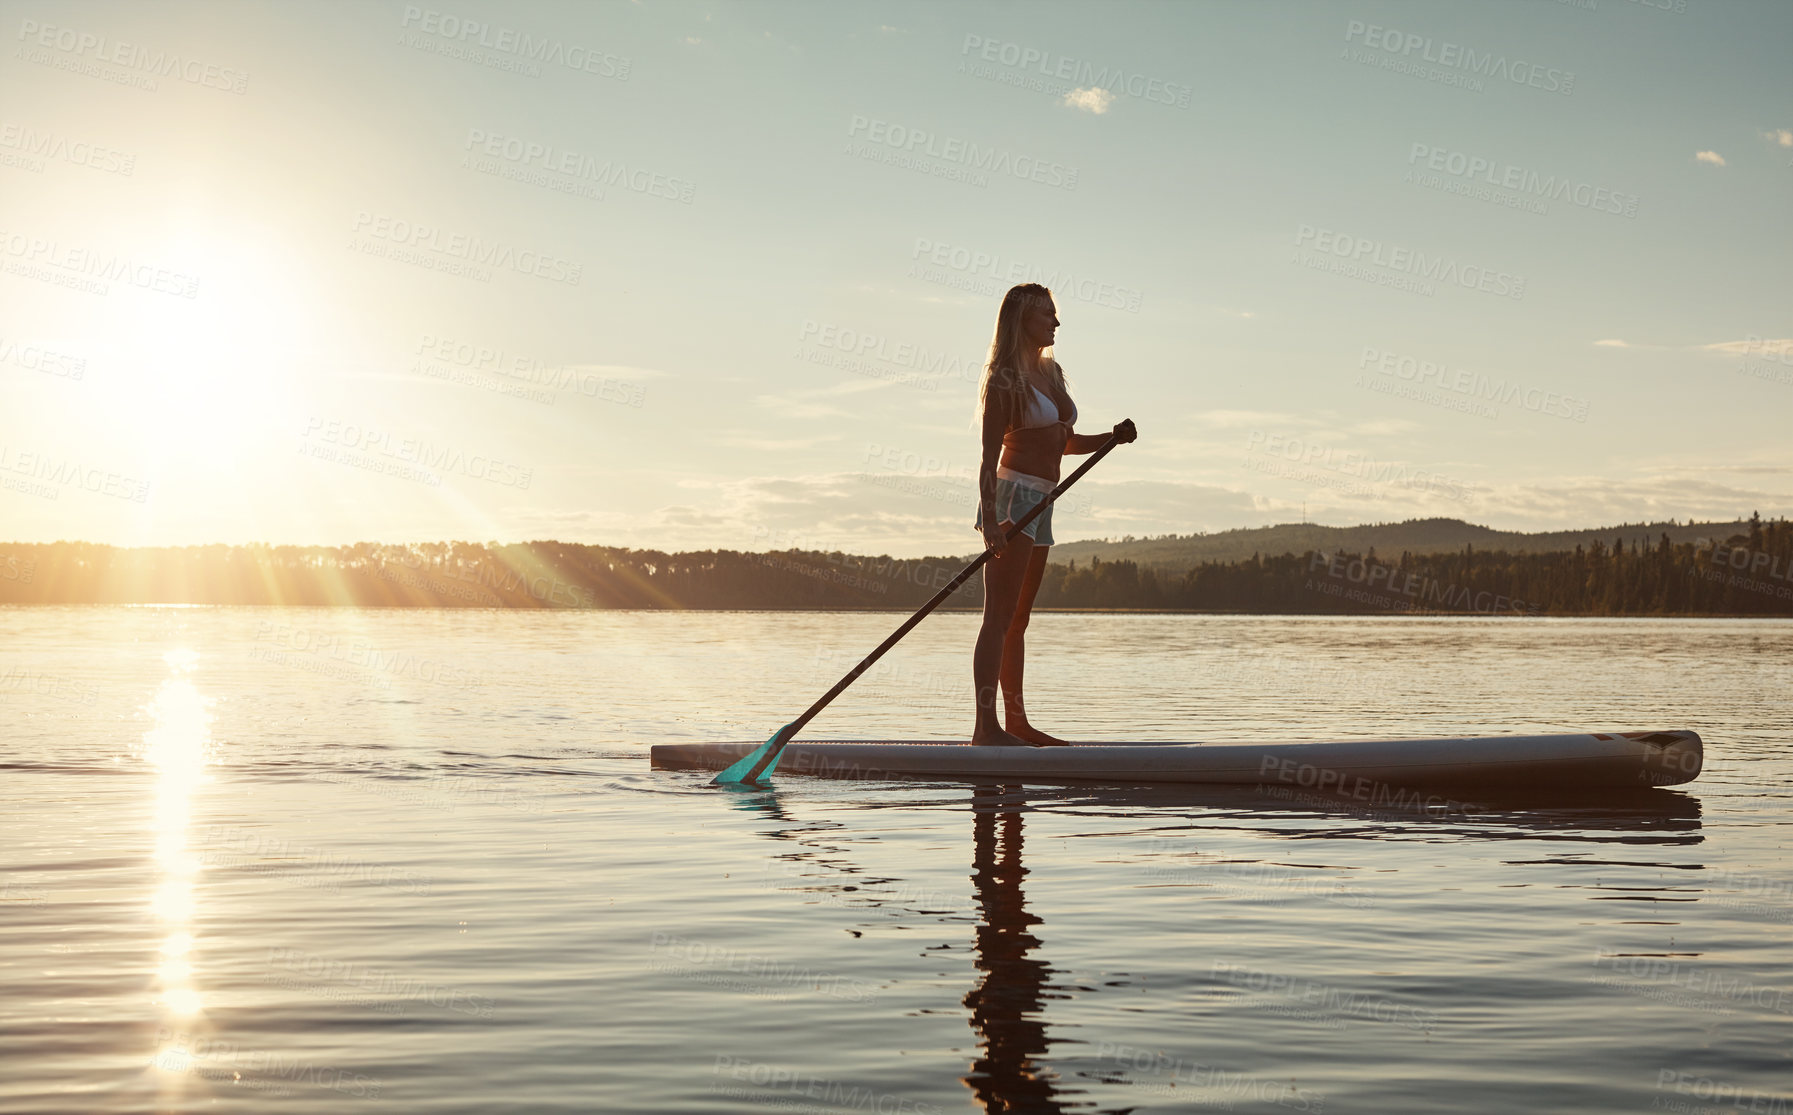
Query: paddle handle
point(952, 586)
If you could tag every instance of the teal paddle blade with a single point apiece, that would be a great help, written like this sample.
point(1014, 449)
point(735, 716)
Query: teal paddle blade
point(757, 765)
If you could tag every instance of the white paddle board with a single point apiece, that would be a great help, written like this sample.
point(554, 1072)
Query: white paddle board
point(1616, 760)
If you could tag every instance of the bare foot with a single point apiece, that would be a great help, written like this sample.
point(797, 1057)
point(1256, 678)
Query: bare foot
point(997, 738)
point(1036, 738)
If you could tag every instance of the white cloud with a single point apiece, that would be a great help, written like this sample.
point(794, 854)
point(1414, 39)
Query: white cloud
point(809, 402)
point(1774, 348)
point(1244, 419)
point(1325, 420)
point(1384, 427)
point(745, 439)
point(1712, 157)
point(1779, 347)
point(793, 409)
point(1593, 500)
point(845, 387)
point(1781, 136)
point(1094, 99)
point(621, 371)
point(1639, 346)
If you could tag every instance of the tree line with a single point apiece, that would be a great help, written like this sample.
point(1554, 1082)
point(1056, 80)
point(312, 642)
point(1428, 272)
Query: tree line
point(1749, 573)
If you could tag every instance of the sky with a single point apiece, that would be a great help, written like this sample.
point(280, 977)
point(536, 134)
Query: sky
point(723, 275)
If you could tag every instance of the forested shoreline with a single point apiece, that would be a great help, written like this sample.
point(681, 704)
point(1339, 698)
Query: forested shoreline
point(1750, 573)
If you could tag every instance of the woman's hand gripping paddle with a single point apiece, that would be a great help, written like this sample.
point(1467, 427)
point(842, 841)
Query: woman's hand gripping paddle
point(754, 768)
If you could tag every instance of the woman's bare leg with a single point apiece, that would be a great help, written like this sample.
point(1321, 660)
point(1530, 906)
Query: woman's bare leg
point(1014, 654)
point(1003, 576)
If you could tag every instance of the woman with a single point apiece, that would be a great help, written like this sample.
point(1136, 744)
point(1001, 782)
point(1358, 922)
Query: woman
point(1026, 415)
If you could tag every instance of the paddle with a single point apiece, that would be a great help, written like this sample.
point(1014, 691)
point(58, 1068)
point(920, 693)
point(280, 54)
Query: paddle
point(759, 763)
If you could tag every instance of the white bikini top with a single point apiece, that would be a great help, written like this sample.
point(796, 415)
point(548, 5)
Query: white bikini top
point(1041, 411)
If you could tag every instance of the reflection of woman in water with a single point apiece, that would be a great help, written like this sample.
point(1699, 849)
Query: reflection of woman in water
point(1026, 415)
point(1007, 1003)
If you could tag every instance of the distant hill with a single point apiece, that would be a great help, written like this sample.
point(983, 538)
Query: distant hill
point(1174, 553)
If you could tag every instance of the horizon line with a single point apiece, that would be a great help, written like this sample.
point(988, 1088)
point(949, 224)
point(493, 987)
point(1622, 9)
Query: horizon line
point(1123, 540)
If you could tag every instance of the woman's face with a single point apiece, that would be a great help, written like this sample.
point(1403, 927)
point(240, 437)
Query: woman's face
point(1039, 322)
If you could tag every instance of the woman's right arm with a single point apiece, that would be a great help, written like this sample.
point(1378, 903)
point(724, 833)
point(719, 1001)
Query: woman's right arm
point(995, 425)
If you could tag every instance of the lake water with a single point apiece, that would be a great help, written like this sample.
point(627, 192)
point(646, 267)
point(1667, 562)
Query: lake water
point(262, 859)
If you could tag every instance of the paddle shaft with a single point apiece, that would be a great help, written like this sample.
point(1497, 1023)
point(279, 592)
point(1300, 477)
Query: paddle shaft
point(952, 586)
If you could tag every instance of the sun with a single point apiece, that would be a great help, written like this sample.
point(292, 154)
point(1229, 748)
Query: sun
point(206, 376)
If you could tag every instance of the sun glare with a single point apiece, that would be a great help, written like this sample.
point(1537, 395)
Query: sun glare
point(211, 374)
point(178, 747)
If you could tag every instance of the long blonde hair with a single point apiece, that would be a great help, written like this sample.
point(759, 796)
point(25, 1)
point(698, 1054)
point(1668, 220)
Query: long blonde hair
point(1004, 382)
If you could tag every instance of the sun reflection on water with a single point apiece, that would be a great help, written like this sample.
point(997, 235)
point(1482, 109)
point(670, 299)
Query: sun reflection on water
point(178, 746)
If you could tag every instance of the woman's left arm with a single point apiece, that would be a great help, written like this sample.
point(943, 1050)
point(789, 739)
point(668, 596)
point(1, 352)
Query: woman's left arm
point(1077, 444)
